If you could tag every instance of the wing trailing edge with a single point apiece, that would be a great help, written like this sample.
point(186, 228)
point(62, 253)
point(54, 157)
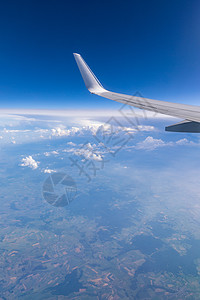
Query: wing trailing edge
point(184, 126)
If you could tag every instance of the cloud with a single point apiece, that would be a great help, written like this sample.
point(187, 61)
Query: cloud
point(71, 144)
point(87, 151)
point(150, 143)
point(185, 142)
point(58, 131)
point(29, 162)
point(146, 128)
point(49, 171)
point(93, 126)
point(138, 128)
point(33, 129)
point(55, 152)
point(15, 130)
point(47, 153)
point(86, 127)
point(40, 130)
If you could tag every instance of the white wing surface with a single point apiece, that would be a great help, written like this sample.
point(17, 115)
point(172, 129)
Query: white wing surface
point(190, 113)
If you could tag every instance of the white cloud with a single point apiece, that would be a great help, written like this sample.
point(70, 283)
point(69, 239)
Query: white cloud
point(80, 128)
point(20, 113)
point(55, 152)
point(146, 128)
point(184, 142)
point(86, 127)
point(138, 128)
point(58, 131)
point(93, 126)
point(71, 144)
point(47, 153)
point(29, 162)
point(150, 143)
point(40, 130)
point(15, 130)
point(69, 150)
point(49, 171)
point(89, 151)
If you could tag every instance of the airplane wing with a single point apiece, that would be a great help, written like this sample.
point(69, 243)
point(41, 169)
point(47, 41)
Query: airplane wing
point(190, 113)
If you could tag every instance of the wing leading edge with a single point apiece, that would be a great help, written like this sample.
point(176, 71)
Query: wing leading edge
point(190, 113)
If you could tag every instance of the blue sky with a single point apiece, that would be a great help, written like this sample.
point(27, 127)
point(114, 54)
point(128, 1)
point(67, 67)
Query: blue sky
point(148, 46)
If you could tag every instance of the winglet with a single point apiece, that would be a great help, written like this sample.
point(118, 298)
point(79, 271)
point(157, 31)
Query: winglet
point(91, 82)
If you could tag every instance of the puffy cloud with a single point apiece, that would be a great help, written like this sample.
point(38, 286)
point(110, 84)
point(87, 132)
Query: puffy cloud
point(71, 144)
point(55, 152)
point(49, 171)
point(85, 127)
point(150, 143)
point(184, 141)
point(81, 128)
point(58, 131)
point(88, 151)
point(92, 126)
point(29, 162)
point(47, 153)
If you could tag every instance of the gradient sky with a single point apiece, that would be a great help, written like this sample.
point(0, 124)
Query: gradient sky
point(148, 46)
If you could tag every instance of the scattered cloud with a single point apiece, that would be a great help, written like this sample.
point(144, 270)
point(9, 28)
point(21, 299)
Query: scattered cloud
point(58, 131)
point(15, 130)
point(29, 162)
point(28, 129)
point(139, 128)
point(71, 144)
point(92, 127)
point(146, 128)
point(185, 142)
point(89, 151)
point(150, 143)
point(49, 171)
point(55, 152)
point(47, 153)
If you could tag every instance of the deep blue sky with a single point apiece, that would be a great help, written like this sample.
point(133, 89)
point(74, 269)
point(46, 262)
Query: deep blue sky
point(147, 46)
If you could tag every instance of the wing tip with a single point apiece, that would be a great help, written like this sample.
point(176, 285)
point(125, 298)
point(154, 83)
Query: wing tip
point(91, 81)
